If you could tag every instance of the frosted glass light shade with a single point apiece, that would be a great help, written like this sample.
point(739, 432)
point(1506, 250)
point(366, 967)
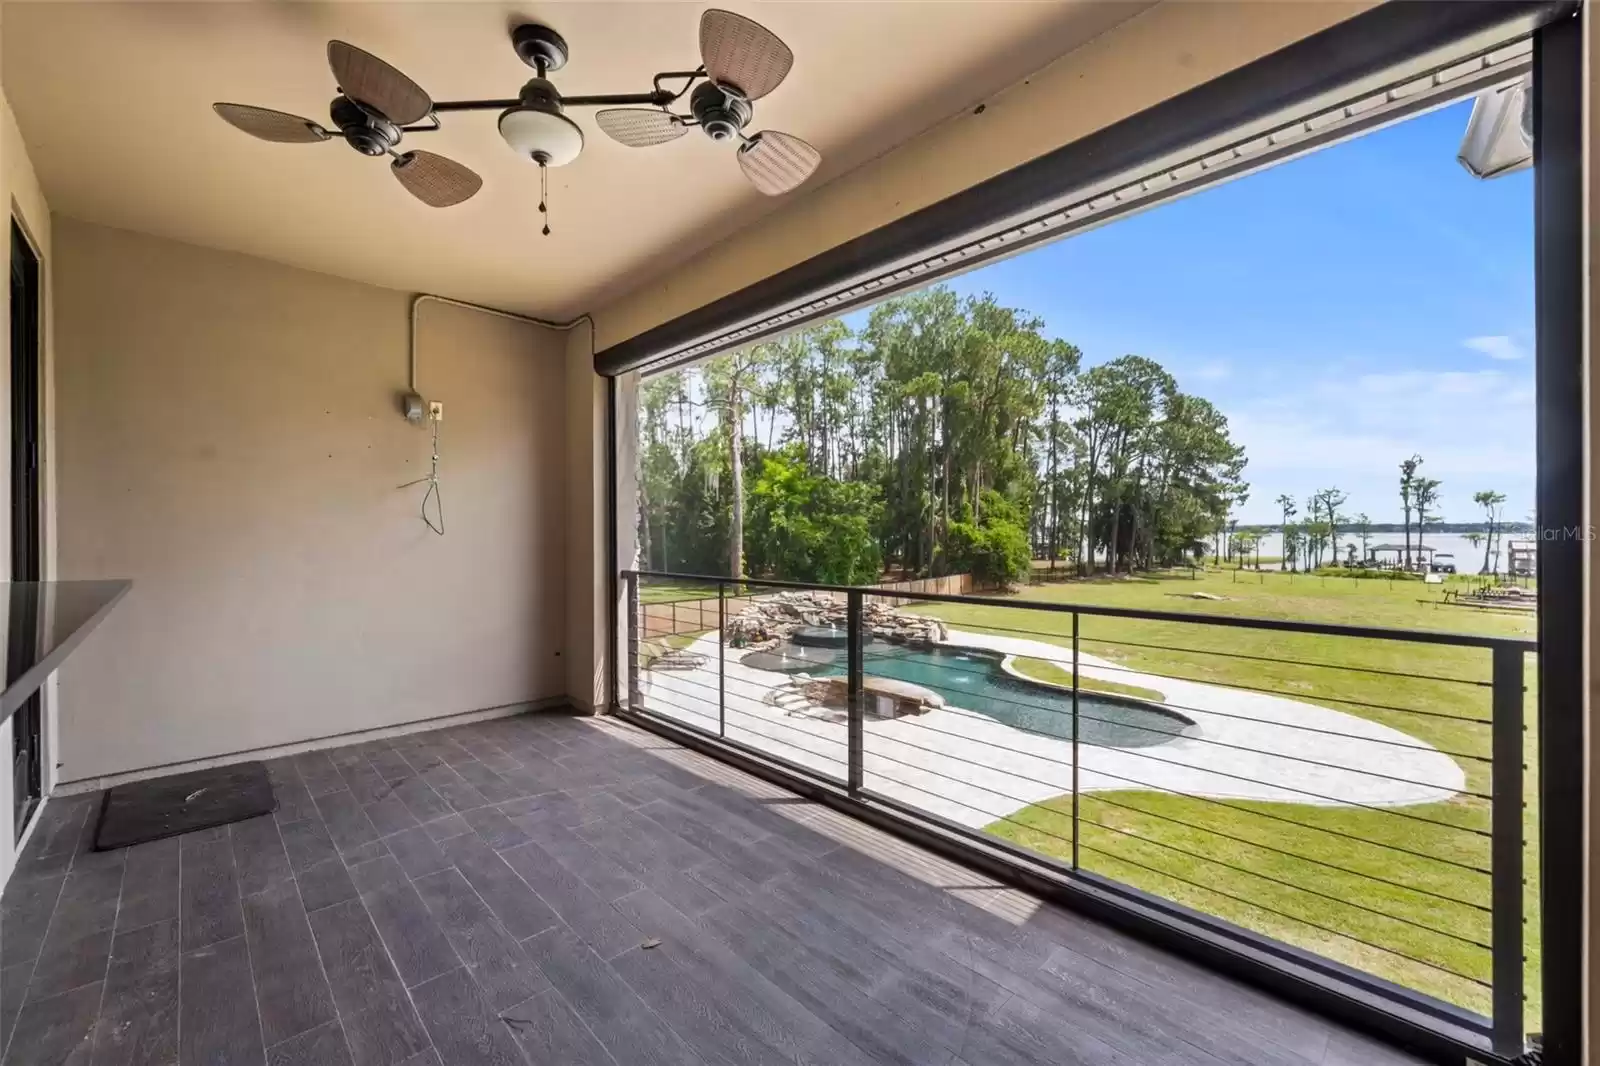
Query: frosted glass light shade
point(530, 132)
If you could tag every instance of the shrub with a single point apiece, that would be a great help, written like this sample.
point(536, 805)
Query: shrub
point(801, 527)
point(995, 549)
point(1366, 575)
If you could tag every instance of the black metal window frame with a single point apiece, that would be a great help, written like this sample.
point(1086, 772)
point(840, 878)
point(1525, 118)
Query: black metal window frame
point(1358, 48)
point(27, 560)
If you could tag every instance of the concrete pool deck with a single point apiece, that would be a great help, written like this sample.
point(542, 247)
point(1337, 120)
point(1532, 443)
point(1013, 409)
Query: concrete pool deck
point(973, 769)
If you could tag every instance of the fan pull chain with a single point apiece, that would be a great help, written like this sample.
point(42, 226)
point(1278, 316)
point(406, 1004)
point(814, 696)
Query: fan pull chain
point(544, 196)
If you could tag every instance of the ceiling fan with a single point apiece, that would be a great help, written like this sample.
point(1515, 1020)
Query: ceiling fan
point(377, 105)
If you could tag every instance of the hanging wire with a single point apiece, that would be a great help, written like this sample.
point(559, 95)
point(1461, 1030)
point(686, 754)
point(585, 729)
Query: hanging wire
point(433, 492)
point(544, 195)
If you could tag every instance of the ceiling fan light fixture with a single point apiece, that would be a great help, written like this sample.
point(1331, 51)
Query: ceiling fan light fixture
point(546, 136)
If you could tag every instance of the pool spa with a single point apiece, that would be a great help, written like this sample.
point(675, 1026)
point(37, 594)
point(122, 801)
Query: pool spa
point(972, 680)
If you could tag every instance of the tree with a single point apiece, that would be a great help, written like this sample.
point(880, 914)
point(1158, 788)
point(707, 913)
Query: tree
point(1060, 366)
point(1364, 531)
point(1286, 505)
point(1492, 503)
point(728, 379)
point(811, 528)
point(1331, 500)
point(1408, 474)
point(1424, 494)
point(1243, 544)
point(993, 548)
point(945, 410)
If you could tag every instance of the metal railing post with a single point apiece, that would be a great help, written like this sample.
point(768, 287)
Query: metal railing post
point(854, 702)
point(722, 659)
point(635, 697)
point(1074, 740)
point(1506, 882)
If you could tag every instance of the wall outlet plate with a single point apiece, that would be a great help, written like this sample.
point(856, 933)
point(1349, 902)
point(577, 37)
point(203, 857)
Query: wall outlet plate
point(436, 410)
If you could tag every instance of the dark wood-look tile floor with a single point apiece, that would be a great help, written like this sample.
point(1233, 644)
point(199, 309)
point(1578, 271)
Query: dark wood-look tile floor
point(557, 890)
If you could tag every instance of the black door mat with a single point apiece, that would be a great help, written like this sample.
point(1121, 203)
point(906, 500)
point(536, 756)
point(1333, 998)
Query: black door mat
point(182, 803)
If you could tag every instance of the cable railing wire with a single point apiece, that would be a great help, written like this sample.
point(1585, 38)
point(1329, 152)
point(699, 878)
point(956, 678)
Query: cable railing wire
point(984, 627)
point(1117, 857)
point(1143, 753)
point(1153, 840)
point(1230, 684)
point(1437, 638)
point(1177, 732)
point(1159, 843)
point(775, 740)
point(1092, 610)
point(1253, 751)
point(1167, 789)
point(678, 677)
point(768, 721)
point(1202, 620)
point(1167, 705)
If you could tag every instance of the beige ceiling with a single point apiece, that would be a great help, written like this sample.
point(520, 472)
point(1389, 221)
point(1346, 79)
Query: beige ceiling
point(113, 100)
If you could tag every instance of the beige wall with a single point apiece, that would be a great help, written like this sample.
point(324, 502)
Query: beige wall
point(229, 439)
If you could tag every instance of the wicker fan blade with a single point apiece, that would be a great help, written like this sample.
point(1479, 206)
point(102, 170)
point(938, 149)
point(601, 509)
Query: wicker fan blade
point(365, 78)
point(435, 180)
point(640, 127)
point(777, 162)
point(277, 126)
point(742, 54)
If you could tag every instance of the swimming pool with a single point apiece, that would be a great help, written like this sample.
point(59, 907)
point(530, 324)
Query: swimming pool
point(975, 681)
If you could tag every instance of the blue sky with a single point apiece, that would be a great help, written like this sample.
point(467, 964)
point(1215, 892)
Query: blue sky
point(1344, 310)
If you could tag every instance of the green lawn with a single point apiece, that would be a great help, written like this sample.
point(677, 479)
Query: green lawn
point(1042, 670)
point(653, 648)
point(656, 591)
point(1180, 847)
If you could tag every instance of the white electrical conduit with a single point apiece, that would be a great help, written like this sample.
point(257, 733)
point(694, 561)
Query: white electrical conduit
point(432, 479)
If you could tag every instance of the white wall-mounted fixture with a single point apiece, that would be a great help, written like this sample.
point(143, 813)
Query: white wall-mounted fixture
point(1499, 137)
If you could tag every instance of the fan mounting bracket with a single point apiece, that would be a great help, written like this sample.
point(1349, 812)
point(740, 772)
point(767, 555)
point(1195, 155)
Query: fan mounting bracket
point(362, 128)
point(719, 111)
point(540, 47)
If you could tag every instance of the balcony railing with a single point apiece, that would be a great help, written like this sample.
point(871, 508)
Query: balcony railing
point(1348, 800)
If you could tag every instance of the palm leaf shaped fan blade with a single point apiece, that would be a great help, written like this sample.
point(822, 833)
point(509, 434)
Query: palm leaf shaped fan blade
point(435, 180)
point(366, 79)
point(741, 54)
point(277, 126)
point(777, 162)
point(640, 127)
